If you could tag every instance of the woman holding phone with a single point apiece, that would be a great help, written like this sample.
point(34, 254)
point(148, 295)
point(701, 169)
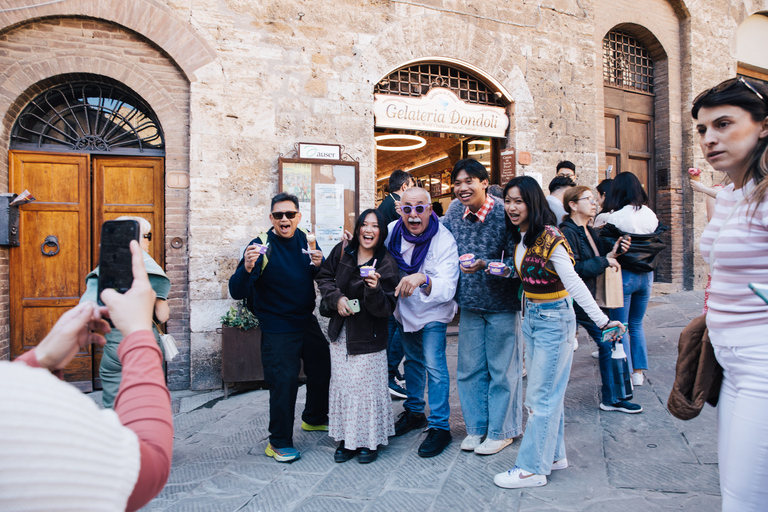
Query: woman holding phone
point(732, 121)
point(360, 409)
point(544, 262)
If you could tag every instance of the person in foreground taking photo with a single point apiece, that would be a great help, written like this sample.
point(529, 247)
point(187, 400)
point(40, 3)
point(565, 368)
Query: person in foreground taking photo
point(544, 262)
point(59, 450)
point(732, 122)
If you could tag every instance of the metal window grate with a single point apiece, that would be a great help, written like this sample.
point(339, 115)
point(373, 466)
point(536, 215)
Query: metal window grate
point(88, 117)
point(626, 62)
point(418, 79)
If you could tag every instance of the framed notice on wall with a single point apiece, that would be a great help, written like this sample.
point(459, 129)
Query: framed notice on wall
point(328, 195)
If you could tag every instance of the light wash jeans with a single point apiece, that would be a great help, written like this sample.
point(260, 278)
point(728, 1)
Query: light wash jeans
point(489, 374)
point(742, 428)
point(637, 293)
point(549, 329)
point(425, 353)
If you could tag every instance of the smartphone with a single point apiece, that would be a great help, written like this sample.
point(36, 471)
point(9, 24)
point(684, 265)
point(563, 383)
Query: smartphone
point(115, 255)
point(354, 305)
point(609, 333)
point(761, 290)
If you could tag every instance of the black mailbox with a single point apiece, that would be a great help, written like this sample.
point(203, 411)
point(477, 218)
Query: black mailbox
point(9, 221)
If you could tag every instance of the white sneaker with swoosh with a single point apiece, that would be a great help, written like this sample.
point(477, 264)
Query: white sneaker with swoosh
point(516, 478)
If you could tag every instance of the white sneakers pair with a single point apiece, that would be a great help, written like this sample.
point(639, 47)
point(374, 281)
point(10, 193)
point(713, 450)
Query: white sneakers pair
point(517, 478)
point(484, 447)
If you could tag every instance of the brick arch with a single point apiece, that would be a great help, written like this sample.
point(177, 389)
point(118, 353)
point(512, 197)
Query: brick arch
point(150, 18)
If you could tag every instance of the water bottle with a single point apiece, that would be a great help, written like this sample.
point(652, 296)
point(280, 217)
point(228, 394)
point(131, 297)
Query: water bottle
point(622, 381)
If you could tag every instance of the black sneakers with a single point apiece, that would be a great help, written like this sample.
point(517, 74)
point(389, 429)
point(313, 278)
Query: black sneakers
point(396, 390)
point(342, 454)
point(366, 456)
point(436, 441)
point(408, 421)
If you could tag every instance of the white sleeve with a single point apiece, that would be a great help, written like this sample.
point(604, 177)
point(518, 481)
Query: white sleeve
point(575, 286)
point(446, 270)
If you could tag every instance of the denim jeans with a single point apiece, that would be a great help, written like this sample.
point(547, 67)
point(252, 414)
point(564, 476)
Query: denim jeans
point(742, 427)
point(608, 389)
point(425, 354)
point(549, 329)
point(637, 293)
point(394, 348)
point(489, 374)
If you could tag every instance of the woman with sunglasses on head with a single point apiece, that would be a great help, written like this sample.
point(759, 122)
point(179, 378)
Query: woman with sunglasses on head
point(544, 262)
point(592, 257)
point(360, 410)
point(732, 121)
point(632, 220)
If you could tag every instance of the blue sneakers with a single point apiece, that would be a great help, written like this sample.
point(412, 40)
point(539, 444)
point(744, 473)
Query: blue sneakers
point(283, 454)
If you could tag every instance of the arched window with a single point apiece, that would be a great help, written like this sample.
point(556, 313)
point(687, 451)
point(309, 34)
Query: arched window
point(626, 63)
point(418, 79)
point(98, 116)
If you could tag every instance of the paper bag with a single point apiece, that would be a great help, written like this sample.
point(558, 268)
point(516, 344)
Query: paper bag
point(613, 288)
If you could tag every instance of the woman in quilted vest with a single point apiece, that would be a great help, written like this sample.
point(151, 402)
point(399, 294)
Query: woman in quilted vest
point(544, 262)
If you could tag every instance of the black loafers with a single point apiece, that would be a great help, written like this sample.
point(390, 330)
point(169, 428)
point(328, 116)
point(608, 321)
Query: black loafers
point(342, 454)
point(366, 456)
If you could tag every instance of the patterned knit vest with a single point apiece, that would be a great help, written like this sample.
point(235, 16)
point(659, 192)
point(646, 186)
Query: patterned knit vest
point(540, 281)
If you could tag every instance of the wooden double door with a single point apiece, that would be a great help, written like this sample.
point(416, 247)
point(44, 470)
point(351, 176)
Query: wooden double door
point(60, 233)
point(629, 136)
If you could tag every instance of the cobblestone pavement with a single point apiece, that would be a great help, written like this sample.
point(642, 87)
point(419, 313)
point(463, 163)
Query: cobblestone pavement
point(649, 461)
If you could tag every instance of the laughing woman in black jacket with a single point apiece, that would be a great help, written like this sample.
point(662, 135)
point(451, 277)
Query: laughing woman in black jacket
point(592, 259)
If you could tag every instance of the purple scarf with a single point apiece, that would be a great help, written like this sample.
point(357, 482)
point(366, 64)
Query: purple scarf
point(420, 242)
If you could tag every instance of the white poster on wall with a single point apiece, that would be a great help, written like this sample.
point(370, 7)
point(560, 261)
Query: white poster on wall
point(329, 214)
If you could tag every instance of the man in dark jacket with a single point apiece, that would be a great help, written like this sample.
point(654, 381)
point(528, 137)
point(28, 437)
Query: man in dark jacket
point(399, 182)
point(282, 296)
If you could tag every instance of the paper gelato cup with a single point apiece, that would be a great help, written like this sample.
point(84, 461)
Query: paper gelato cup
point(466, 260)
point(367, 270)
point(496, 268)
point(261, 248)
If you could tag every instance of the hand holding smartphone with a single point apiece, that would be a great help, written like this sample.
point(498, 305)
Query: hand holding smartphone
point(115, 269)
point(609, 334)
point(354, 305)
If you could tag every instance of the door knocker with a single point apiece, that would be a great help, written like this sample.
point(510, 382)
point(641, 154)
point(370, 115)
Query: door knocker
point(50, 241)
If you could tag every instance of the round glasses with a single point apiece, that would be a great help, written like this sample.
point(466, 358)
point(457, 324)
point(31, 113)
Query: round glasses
point(418, 207)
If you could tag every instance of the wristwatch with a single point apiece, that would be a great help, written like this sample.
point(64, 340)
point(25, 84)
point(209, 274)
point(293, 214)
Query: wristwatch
point(426, 283)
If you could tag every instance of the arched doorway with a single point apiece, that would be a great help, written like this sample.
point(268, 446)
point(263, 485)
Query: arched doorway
point(89, 149)
point(629, 95)
point(432, 113)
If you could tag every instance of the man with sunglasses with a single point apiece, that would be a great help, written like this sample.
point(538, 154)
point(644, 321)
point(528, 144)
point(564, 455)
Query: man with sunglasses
point(428, 260)
point(281, 293)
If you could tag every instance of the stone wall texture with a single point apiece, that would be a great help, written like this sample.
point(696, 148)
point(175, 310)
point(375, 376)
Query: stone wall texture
point(240, 81)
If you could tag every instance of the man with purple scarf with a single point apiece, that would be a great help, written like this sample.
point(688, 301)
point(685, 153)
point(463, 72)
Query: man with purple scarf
point(428, 260)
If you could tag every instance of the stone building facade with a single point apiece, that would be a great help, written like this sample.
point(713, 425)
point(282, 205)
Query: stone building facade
point(234, 84)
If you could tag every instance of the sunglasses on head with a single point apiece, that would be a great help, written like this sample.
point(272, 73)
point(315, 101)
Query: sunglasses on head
point(724, 86)
point(279, 215)
point(148, 236)
point(407, 209)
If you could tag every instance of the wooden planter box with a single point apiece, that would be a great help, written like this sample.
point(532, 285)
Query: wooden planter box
point(240, 356)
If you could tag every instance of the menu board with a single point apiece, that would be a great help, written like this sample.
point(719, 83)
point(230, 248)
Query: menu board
point(507, 166)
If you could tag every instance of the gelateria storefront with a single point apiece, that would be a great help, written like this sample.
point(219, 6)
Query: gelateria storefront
point(431, 114)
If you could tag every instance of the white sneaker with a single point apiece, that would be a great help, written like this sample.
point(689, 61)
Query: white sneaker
point(471, 442)
point(575, 344)
point(637, 379)
point(596, 354)
point(491, 446)
point(516, 478)
point(560, 464)
point(525, 372)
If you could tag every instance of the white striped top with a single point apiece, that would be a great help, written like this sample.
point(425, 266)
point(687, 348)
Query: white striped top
point(737, 317)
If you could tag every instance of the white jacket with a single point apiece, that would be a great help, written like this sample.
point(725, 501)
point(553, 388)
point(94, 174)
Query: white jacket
point(442, 267)
point(631, 220)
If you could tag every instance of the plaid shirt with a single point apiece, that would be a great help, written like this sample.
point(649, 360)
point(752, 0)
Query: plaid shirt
point(482, 212)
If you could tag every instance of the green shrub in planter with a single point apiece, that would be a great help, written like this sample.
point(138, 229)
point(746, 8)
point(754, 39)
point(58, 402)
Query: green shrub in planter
point(240, 317)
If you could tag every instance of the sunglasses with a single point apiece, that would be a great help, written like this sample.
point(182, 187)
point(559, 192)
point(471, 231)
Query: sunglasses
point(419, 208)
point(148, 236)
point(279, 215)
point(724, 86)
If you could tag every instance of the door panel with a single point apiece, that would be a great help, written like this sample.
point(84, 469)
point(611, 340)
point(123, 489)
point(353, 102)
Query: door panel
point(130, 186)
point(43, 287)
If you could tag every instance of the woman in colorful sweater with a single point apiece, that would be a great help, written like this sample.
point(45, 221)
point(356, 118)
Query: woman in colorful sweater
point(544, 262)
point(732, 121)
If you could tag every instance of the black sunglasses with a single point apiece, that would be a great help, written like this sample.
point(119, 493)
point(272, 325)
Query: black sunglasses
point(419, 208)
point(279, 215)
point(724, 86)
point(148, 236)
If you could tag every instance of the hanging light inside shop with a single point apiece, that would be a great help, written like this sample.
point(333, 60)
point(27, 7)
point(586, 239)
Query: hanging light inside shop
point(420, 142)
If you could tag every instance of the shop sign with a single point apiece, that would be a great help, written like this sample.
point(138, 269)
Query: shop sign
point(440, 110)
point(320, 151)
point(507, 165)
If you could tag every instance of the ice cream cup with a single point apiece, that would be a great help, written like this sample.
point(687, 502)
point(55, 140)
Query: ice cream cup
point(367, 270)
point(261, 248)
point(467, 260)
point(496, 268)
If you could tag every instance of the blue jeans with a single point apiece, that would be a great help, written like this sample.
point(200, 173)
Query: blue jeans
point(637, 293)
point(549, 329)
point(606, 370)
point(489, 374)
point(394, 348)
point(425, 353)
